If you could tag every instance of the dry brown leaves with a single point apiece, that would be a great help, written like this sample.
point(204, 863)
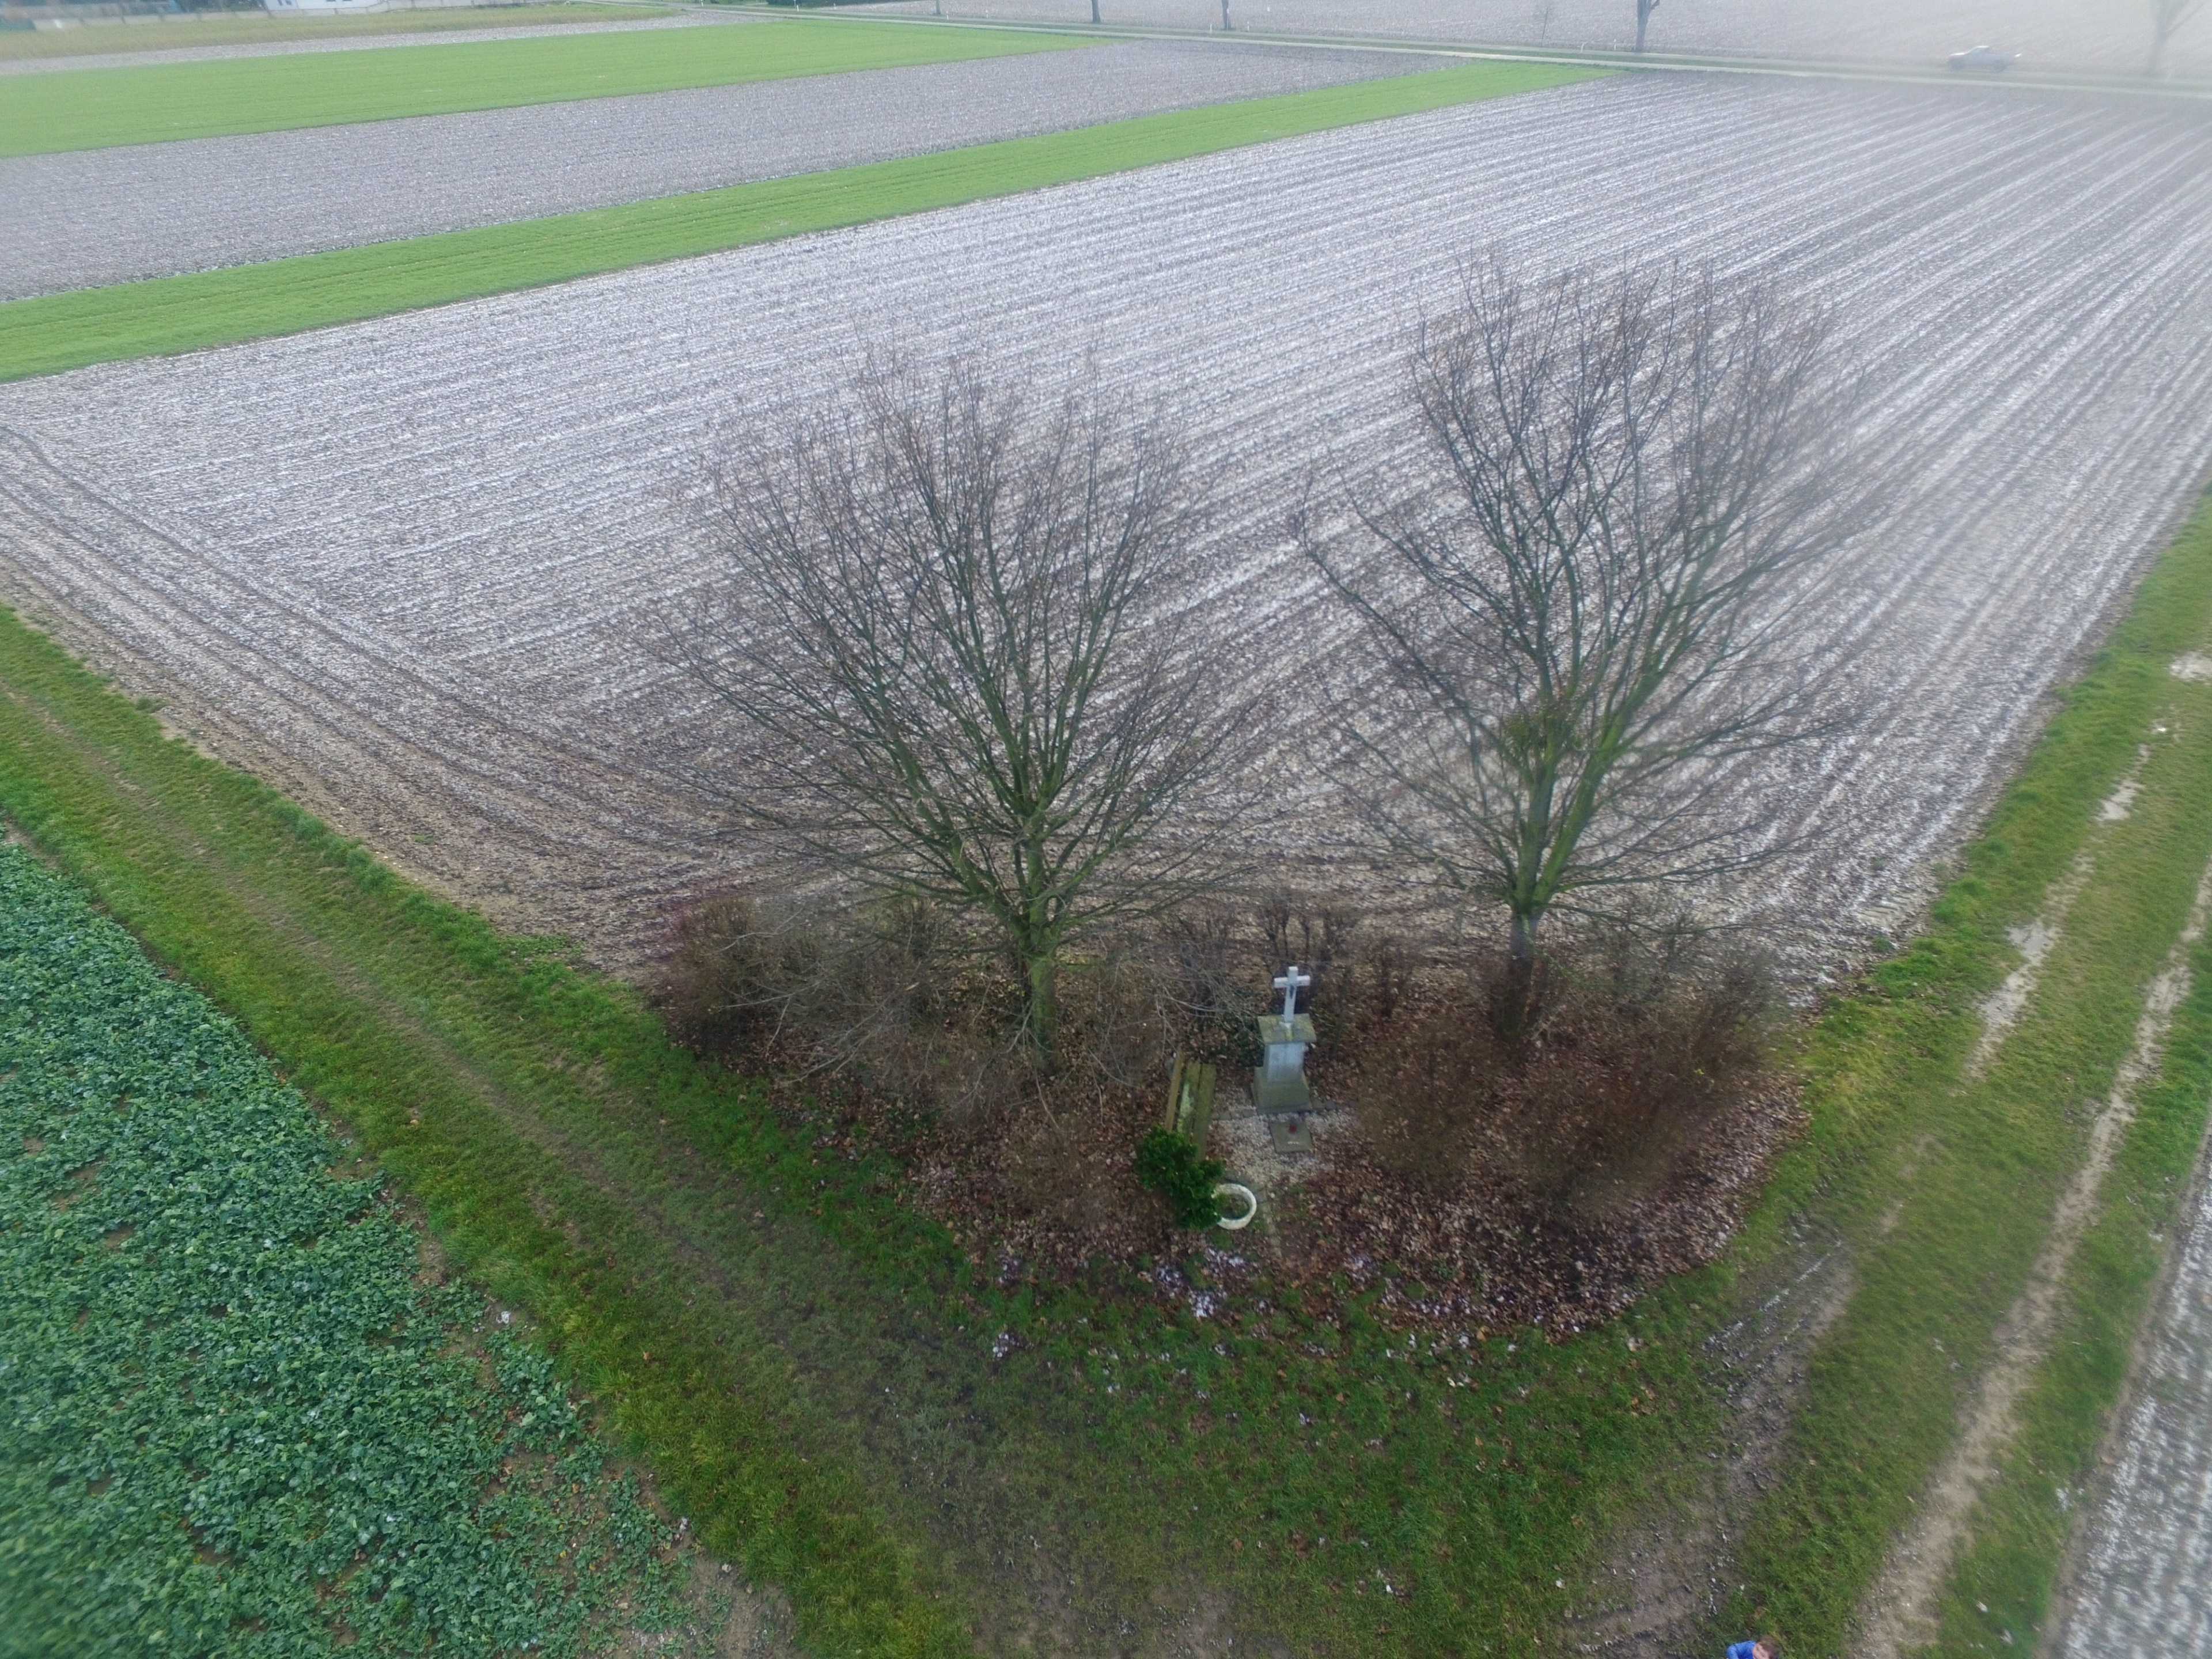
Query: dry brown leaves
point(1481, 1252)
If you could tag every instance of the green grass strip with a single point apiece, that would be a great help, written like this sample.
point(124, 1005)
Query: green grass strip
point(2005, 1578)
point(170, 315)
point(154, 103)
point(159, 34)
point(1943, 1186)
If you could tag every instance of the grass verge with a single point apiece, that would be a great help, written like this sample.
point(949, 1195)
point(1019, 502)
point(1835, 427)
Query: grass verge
point(155, 103)
point(158, 34)
point(169, 314)
point(923, 1457)
point(1943, 1186)
point(930, 1458)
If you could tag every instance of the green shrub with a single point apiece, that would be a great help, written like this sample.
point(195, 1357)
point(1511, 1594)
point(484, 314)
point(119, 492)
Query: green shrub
point(1171, 1165)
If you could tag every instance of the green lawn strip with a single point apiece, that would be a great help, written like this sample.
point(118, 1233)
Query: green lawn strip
point(145, 33)
point(2021, 1528)
point(154, 103)
point(1972, 1169)
point(169, 314)
point(2020, 1531)
point(230, 1405)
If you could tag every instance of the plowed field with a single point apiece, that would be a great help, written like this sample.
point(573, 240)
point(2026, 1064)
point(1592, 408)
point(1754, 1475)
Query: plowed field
point(110, 216)
point(410, 569)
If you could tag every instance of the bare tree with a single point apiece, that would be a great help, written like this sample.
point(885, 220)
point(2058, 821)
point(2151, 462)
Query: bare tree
point(2166, 19)
point(1643, 10)
point(1575, 607)
point(958, 637)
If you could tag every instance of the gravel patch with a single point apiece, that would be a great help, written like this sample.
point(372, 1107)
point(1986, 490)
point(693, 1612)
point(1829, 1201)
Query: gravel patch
point(349, 43)
point(2102, 36)
point(87, 217)
point(411, 570)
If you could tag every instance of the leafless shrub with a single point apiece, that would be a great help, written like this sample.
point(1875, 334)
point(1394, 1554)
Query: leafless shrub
point(888, 997)
point(1634, 1043)
point(882, 995)
point(1551, 1177)
point(731, 982)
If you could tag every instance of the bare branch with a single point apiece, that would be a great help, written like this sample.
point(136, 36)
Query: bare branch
point(1584, 602)
point(2168, 18)
point(959, 638)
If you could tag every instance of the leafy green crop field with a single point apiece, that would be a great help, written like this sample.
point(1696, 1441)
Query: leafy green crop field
point(232, 1416)
point(150, 103)
point(169, 314)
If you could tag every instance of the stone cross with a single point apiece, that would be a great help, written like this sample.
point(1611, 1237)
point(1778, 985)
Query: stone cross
point(1291, 982)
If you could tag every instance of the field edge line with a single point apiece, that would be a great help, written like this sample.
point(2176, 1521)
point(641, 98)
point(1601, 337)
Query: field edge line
point(170, 316)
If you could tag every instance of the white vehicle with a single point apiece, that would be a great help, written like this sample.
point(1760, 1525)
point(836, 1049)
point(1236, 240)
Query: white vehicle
point(1984, 58)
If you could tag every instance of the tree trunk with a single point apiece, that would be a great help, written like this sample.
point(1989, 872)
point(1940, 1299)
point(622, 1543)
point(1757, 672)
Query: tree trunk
point(1643, 10)
point(1094, 10)
point(1512, 1013)
point(1043, 1009)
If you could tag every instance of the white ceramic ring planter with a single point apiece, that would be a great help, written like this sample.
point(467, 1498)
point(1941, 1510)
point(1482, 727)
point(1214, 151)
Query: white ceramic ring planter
point(1251, 1205)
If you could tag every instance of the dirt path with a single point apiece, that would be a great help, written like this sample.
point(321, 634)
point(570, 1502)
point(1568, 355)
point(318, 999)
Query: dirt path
point(1900, 1607)
point(1670, 1578)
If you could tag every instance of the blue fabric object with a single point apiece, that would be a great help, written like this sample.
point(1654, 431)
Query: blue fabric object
point(1740, 1650)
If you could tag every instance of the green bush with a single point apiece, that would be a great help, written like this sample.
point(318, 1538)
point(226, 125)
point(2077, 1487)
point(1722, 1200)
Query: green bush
point(1171, 1165)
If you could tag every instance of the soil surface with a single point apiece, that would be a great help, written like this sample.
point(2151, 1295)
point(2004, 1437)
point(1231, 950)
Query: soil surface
point(420, 573)
point(87, 217)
